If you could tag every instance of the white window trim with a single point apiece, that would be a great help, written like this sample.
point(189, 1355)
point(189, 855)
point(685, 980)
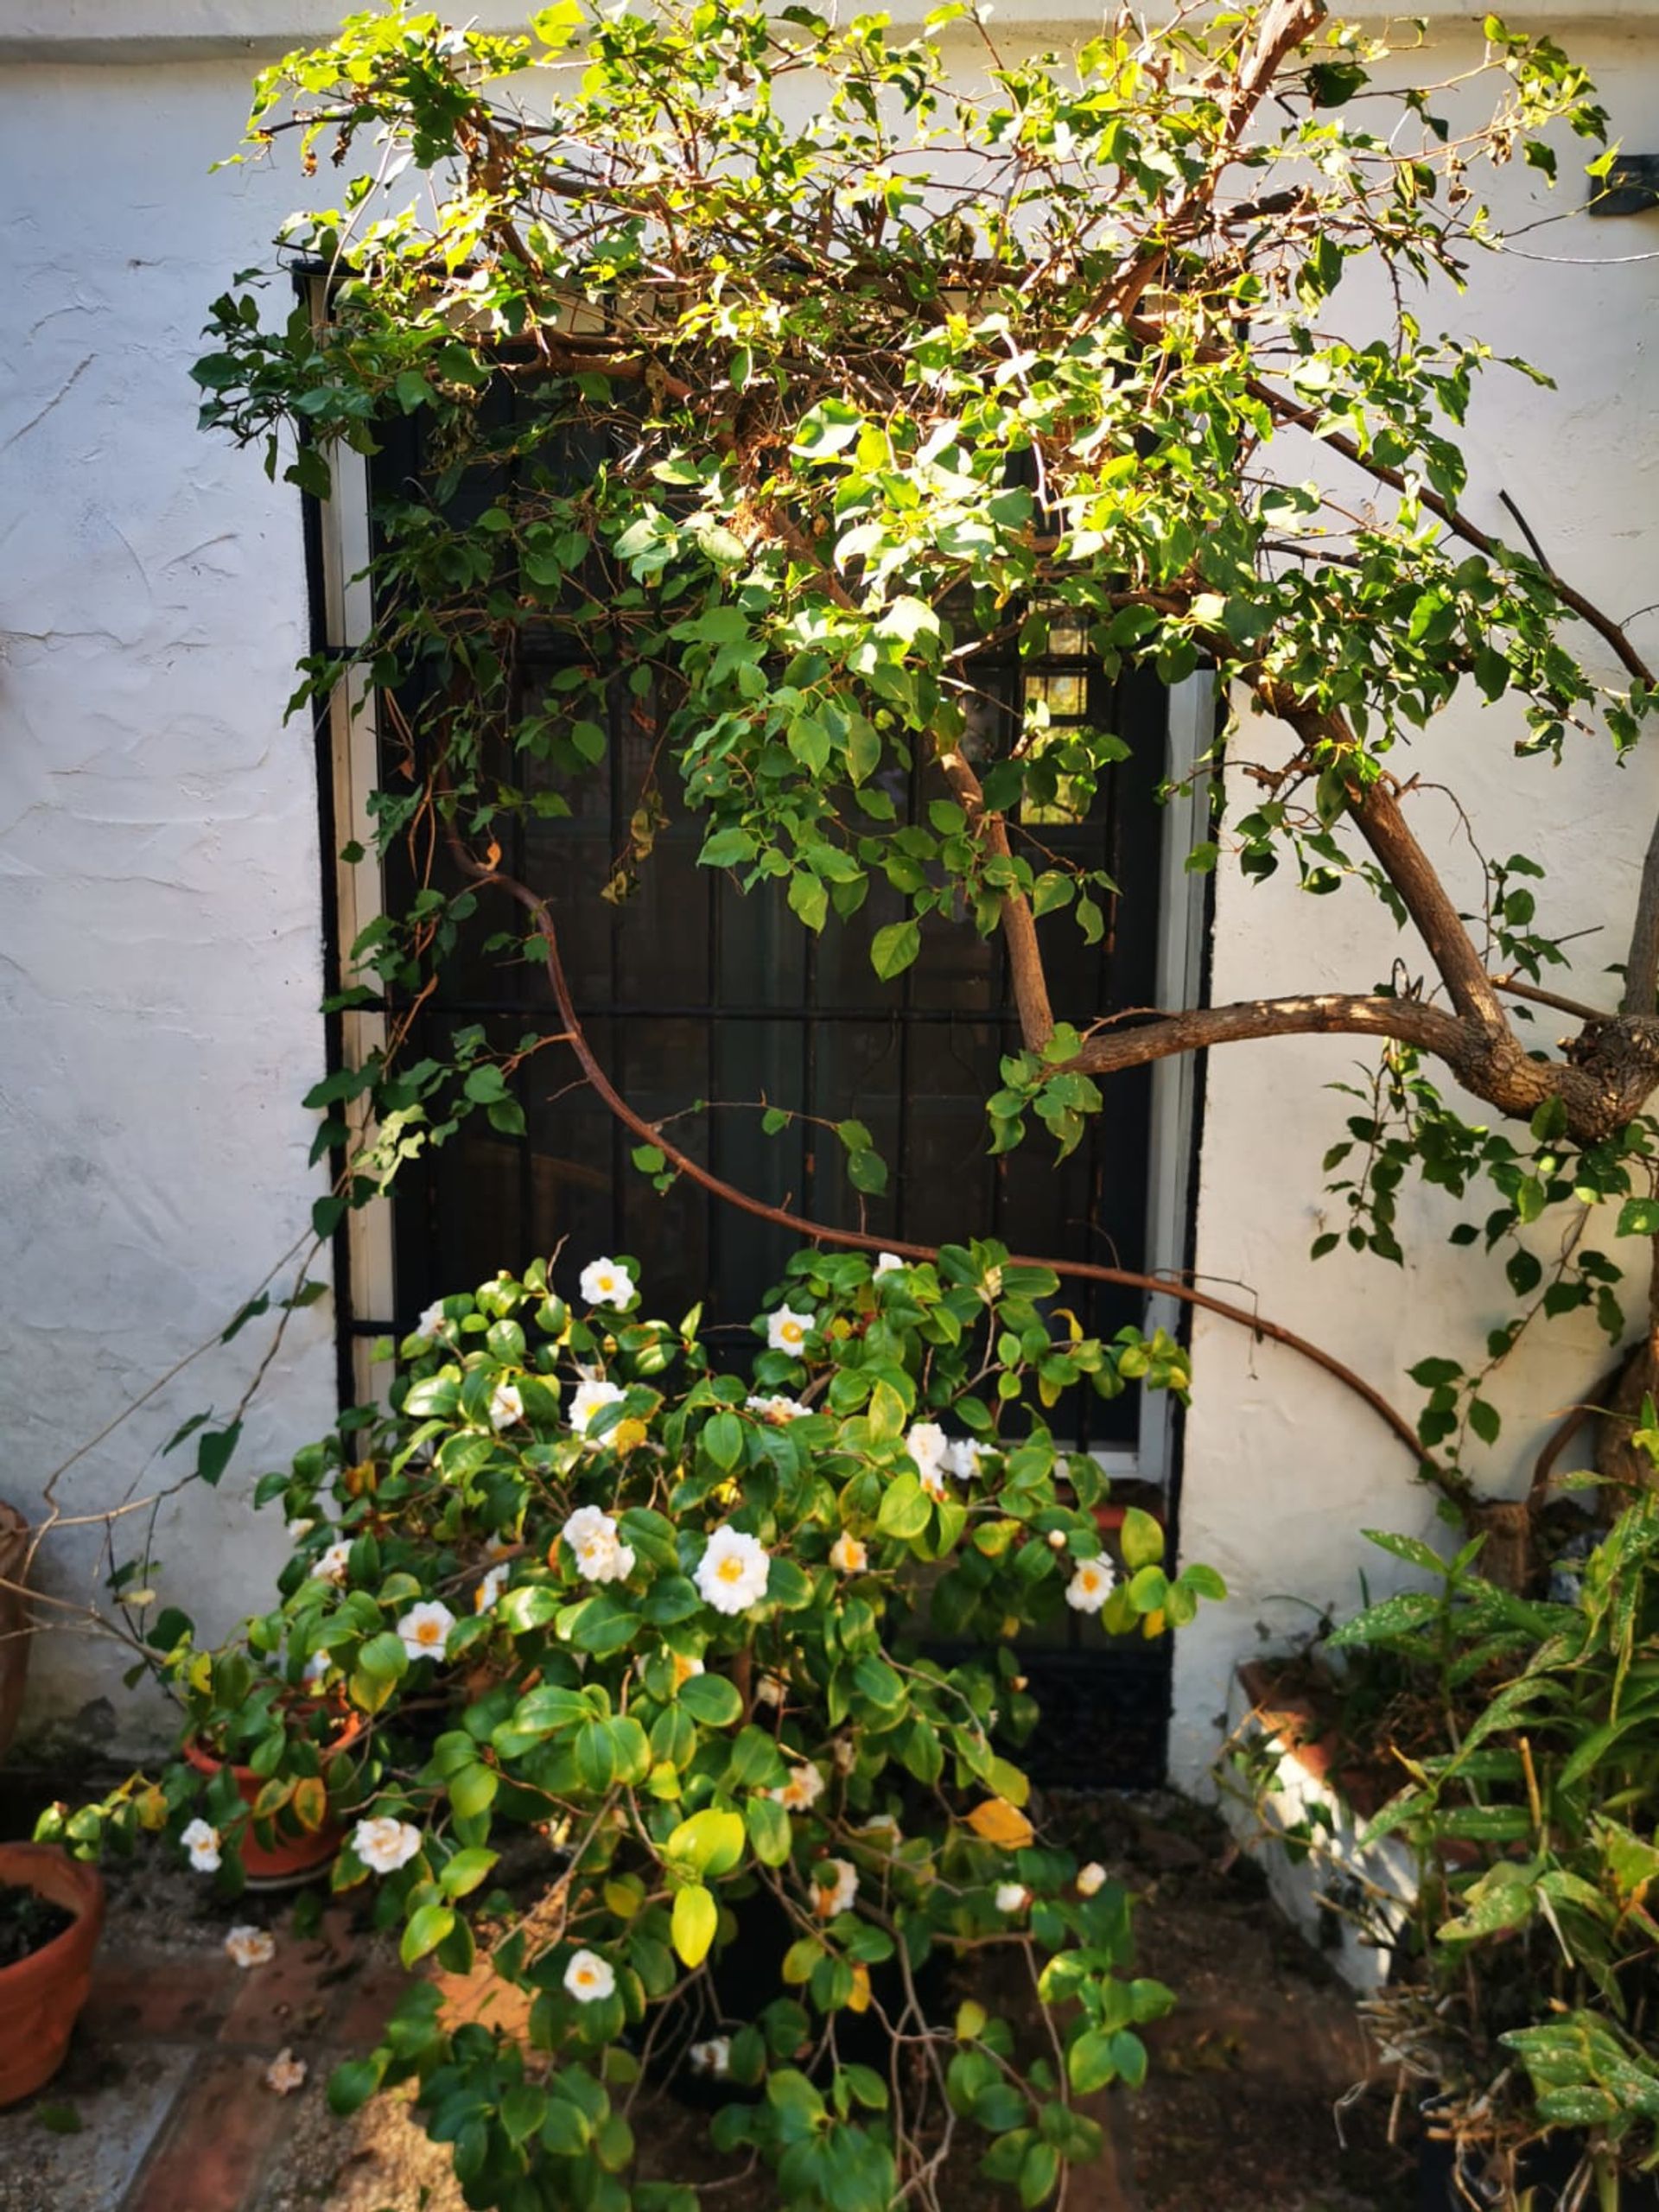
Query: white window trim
point(360, 897)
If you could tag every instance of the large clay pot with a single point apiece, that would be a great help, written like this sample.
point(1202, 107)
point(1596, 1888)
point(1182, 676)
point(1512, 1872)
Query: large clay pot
point(291, 1858)
point(41, 1996)
point(14, 1637)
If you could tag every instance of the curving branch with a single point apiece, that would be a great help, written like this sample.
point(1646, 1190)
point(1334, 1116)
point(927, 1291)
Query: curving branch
point(1445, 1479)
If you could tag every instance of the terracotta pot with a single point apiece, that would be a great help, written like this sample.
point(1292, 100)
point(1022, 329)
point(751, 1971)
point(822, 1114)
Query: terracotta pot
point(41, 1996)
point(14, 1639)
point(290, 1858)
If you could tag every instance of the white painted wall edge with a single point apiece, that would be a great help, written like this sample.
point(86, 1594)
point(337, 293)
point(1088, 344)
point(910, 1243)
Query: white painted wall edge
point(173, 30)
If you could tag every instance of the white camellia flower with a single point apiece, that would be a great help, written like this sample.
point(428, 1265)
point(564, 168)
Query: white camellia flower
point(285, 2073)
point(712, 2056)
point(430, 1324)
point(836, 1894)
point(1012, 1896)
point(848, 1555)
point(800, 1792)
point(506, 1406)
point(587, 1399)
point(588, 1977)
point(604, 1282)
point(425, 1629)
point(888, 1262)
point(385, 1843)
point(200, 1840)
point(733, 1571)
point(598, 1552)
point(247, 1946)
point(787, 1331)
point(1090, 1878)
point(963, 1457)
point(331, 1565)
point(489, 1588)
point(1090, 1585)
point(777, 1411)
point(686, 1666)
point(927, 1444)
point(296, 1531)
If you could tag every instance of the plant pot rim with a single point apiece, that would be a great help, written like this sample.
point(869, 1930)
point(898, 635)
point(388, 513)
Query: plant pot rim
point(204, 1761)
point(85, 1902)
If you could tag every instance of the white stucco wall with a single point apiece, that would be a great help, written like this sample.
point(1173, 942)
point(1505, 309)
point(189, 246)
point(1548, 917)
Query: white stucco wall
point(160, 958)
point(160, 914)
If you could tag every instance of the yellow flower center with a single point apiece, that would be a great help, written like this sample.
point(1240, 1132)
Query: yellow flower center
point(791, 1333)
point(730, 1569)
point(428, 1633)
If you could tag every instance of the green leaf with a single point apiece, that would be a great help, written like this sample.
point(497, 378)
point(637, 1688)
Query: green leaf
point(712, 1698)
point(427, 1926)
point(906, 1507)
point(894, 948)
point(710, 1842)
point(1142, 1540)
point(693, 1922)
point(1089, 2064)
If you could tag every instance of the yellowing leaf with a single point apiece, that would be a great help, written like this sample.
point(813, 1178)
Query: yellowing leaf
point(624, 1897)
point(859, 2000)
point(692, 1927)
point(628, 1436)
point(310, 1803)
point(800, 1959)
point(970, 2020)
point(998, 1822)
point(1152, 1624)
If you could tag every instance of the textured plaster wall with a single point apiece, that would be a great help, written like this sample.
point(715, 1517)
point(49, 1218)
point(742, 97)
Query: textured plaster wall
point(1281, 1465)
point(159, 918)
point(160, 921)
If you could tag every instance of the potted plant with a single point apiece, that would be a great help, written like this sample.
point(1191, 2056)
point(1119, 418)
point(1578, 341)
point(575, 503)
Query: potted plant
point(1528, 2000)
point(51, 1915)
point(637, 1643)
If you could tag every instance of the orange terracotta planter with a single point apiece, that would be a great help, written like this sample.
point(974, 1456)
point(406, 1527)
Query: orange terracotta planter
point(41, 1996)
point(291, 1858)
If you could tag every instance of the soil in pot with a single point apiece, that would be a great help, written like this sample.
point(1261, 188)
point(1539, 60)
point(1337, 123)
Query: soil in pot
point(29, 1923)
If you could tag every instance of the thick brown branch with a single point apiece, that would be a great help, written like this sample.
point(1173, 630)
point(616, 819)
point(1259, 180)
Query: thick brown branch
point(1642, 962)
point(1019, 926)
point(1326, 1012)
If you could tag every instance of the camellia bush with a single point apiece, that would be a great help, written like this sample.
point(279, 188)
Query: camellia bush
point(685, 1702)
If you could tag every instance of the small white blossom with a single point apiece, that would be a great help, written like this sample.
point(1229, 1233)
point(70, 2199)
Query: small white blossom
point(733, 1571)
point(800, 1792)
point(500, 1544)
point(200, 1840)
point(588, 1399)
point(686, 1665)
point(425, 1629)
point(506, 1406)
point(926, 1442)
point(331, 1565)
point(285, 2074)
point(1090, 1878)
point(714, 2056)
point(777, 1411)
point(1090, 1585)
point(298, 1531)
point(588, 1977)
point(963, 1457)
point(769, 1690)
point(248, 1946)
point(836, 1894)
point(1012, 1896)
point(489, 1588)
point(598, 1552)
point(1057, 1540)
point(787, 1331)
point(888, 1262)
point(385, 1843)
point(848, 1555)
point(604, 1282)
point(429, 1327)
